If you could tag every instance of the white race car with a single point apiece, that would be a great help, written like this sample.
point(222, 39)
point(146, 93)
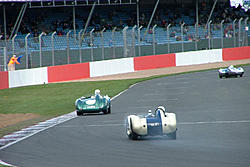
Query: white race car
point(231, 71)
point(159, 123)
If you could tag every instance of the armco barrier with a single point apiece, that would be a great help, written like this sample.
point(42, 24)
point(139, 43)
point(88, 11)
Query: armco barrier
point(109, 67)
point(4, 80)
point(68, 72)
point(27, 77)
point(152, 62)
point(236, 53)
point(198, 57)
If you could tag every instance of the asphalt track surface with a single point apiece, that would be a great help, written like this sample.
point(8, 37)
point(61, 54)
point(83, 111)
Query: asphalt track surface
point(213, 120)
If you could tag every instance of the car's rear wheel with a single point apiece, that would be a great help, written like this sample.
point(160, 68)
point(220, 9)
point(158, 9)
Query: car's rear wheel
point(172, 135)
point(241, 75)
point(220, 76)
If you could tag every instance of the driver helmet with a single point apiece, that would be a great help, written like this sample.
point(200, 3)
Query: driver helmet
point(149, 112)
point(161, 108)
point(14, 55)
point(97, 92)
point(231, 66)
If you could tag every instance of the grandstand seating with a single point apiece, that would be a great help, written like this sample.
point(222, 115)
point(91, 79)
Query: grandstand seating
point(60, 41)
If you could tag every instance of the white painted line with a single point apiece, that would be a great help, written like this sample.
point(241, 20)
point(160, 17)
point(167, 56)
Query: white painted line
point(214, 122)
point(123, 92)
point(20, 139)
point(182, 123)
point(6, 164)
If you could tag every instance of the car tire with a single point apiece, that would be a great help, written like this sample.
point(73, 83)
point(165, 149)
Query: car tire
point(105, 111)
point(172, 135)
point(79, 113)
point(220, 76)
point(109, 110)
point(241, 75)
point(132, 136)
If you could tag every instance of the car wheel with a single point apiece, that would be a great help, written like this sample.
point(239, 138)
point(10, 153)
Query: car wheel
point(220, 76)
point(79, 113)
point(109, 110)
point(105, 111)
point(241, 75)
point(132, 136)
point(172, 135)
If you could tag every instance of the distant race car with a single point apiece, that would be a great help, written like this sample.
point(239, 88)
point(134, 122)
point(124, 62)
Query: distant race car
point(93, 104)
point(159, 123)
point(231, 71)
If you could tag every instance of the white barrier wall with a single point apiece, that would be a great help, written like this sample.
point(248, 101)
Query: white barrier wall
point(109, 67)
point(27, 77)
point(198, 57)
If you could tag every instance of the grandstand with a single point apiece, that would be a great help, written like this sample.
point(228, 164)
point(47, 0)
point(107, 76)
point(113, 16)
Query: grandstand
point(175, 31)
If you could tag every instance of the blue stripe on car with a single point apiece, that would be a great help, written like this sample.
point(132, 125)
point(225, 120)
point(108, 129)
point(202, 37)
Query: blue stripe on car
point(154, 124)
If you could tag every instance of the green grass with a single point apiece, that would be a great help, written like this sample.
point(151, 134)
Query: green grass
point(50, 100)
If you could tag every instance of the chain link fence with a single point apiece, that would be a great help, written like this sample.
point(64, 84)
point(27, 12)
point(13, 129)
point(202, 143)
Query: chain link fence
point(69, 48)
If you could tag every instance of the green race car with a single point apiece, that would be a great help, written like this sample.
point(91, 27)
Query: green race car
point(93, 104)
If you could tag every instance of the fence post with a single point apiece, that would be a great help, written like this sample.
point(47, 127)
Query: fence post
point(168, 38)
point(68, 44)
point(133, 39)
point(182, 41)
point(13, 44)
point(40, 47)
point(53, 49)
point(113, 41)
point(103, 43)
point(234, 36)
point(222, 33)
point(124, 32)
point(240, 30)
point(139, 40)
point(26, 50)
point(196, 35)
point(5, 58)
point(246, 29)
point(209, 34)
point(79, 42)
point(91, 43)
point(153, 31)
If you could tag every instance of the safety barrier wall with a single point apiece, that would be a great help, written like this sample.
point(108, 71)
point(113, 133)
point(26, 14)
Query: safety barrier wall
point(109, 67)
point(152, 62)
point(34, 76)
point(198, 57)
point(68, 72)
point(117, 66)
point(236, 53)
point(4, 80)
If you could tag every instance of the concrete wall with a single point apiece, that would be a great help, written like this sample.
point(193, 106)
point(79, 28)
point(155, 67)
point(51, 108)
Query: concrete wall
point(59, 73)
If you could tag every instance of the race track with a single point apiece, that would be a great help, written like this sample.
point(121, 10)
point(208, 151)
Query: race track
point(213, 121)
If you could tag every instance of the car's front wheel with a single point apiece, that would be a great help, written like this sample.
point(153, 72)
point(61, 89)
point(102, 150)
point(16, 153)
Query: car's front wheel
point(79, 113)
point(109, 109)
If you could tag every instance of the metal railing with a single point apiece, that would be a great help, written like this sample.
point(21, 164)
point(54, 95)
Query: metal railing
point(55, 49)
